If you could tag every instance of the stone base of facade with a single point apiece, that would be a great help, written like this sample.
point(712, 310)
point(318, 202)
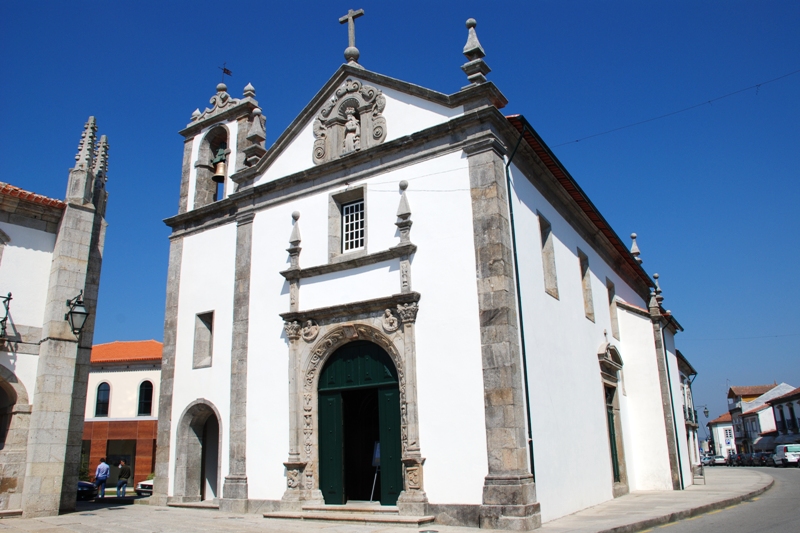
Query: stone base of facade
point(413, 503)
point(620, 489)
point(234, 495)
point(509, 503)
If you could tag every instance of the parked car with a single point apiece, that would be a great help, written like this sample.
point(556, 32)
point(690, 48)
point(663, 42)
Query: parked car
point(707, 460)
point(86, 491)
point(719, 460)
point(770, 460)
point(787, 455)
point(145, 488)
point(758, 459)
point(738, 459)
point(747, 459)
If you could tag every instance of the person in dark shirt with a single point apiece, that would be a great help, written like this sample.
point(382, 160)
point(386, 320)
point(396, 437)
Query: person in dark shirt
point(124, 476)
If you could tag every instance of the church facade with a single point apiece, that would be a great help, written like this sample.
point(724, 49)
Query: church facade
point(408, 300)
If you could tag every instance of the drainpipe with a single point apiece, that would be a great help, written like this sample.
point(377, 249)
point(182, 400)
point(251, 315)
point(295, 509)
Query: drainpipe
point(672, 406)
point(519, 302)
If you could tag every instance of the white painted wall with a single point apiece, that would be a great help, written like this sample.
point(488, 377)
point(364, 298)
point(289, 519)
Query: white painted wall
point(566, 389)
point(452, 432)
point(404, 115)
point(677, 403)
point(721, 446)
point(124, 398)
point(25, 272)
point(206, 284)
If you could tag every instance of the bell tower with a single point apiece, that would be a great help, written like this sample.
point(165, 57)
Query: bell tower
point(222, 140)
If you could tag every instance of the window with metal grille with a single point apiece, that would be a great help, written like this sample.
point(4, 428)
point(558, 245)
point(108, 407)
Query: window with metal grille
point(353, 226)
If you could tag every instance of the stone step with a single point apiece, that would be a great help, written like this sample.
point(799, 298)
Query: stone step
point(340, 516)
point(209, 504)
point(354, 507)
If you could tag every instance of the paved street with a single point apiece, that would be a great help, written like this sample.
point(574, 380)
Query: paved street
point(774, 510)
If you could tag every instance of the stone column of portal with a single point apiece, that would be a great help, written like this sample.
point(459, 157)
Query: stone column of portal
point(509, 493)
point(234, 490)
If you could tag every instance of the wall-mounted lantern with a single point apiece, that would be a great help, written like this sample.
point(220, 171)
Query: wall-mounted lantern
point(77, 314)
point(6, 303)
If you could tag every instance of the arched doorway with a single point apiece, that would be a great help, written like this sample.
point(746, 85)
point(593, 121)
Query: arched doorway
point(359, 426)
point(197, 460)
point(14, 422)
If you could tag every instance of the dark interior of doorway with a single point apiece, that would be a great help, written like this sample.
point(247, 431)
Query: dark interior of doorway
point(361, 432)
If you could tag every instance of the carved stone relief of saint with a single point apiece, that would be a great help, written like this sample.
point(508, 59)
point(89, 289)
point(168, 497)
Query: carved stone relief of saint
point(390, 322)
point(310, 330)
point(352, 132)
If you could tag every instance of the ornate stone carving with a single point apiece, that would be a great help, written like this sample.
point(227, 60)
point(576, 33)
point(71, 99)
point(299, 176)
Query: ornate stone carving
point(293, 478)
point(219, 102)
point(413, 481)
point(408, 312)
point(352, 120)
point(390, 322)
point(310, 330)
point(292, 330)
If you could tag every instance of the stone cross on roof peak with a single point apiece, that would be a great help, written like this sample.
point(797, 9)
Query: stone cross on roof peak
point(351, 52)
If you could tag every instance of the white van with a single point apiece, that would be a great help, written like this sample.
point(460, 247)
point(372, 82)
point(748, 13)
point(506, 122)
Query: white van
point(787, 454)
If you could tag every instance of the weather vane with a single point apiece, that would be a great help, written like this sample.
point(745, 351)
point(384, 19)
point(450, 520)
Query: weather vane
point(225, 71)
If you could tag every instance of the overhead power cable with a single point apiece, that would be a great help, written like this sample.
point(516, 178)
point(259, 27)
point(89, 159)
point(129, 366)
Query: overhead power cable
point(743, 338)
point(707, 102)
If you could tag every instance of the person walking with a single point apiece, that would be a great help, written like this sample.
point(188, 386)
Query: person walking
point(124, 476)
point(100, 478)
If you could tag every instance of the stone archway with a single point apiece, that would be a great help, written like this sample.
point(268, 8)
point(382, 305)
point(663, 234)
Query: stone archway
point(198, 453)
point(15, 411)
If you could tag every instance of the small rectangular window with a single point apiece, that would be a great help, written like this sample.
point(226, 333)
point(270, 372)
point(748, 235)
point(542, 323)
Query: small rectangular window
point(612, 308)
point(548, 258)
point(353, 226)
point(203, 340)
point(586, 282)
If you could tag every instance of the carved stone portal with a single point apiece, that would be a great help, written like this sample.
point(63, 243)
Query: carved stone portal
point(351, 121)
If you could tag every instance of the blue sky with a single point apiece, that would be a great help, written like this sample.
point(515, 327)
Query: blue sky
point(712, 192)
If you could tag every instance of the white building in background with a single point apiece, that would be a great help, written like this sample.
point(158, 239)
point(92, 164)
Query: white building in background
point(721, 430)
point(749, 401)
point(466, 350)
point(50, 257)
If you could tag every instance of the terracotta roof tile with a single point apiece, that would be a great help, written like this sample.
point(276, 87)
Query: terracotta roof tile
point(15, 192)
point(126, 351)
point(789, 395)
point(751, 390)
point(756, 409)
point(722, 419)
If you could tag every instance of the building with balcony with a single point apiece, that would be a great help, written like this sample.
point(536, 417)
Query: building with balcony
point(750, 402)
point(122, 407)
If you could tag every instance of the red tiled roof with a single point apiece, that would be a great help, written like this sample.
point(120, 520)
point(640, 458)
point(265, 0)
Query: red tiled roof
point(756, 409)
point(788, 396)
point(751, 390)
point(573, 189)
point(126, 351)
point(722, 419)
point(16, 192)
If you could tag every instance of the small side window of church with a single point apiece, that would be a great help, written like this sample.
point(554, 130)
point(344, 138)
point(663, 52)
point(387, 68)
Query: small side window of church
point(145, 399)
point(347, 224)
point(586, 282)
point(101, 405)
point(203, 339)
point(548, 258)
point(612, 308)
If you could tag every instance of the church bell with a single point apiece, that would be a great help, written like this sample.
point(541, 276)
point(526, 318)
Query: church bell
point(219, 172)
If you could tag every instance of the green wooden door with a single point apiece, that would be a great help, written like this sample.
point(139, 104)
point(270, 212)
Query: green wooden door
point(331, 447)
point(358, 365)
point(391, 467)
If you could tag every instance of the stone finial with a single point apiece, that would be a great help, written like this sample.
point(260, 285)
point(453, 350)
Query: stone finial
point(256, 135)
point(476, 68)
point(351, 53)
point(635, 249)
point(294, 242)
point(196, 114)
point(249, 91)
point(101, 160)
point(84, 159)
point(659, 297)
point(404, 214)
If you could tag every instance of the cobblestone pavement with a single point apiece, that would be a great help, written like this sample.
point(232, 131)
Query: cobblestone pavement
point(634, 512)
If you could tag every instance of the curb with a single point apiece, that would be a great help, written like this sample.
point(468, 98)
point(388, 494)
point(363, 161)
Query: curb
point(688, 513)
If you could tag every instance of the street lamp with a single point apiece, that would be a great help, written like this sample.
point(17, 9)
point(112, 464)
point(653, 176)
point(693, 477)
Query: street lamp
point(6, 301)
point(77, 314)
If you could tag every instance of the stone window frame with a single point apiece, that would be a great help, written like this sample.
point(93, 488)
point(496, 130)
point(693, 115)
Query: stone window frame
point(548, 256)
point(586, 285)
point(97, 400)
point(336, 201)
point(4, 239)
point(139, 403)
point(205, 358)
point(612, 308)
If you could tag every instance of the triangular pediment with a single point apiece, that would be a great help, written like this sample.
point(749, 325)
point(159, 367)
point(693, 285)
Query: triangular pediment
point(357, 110)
